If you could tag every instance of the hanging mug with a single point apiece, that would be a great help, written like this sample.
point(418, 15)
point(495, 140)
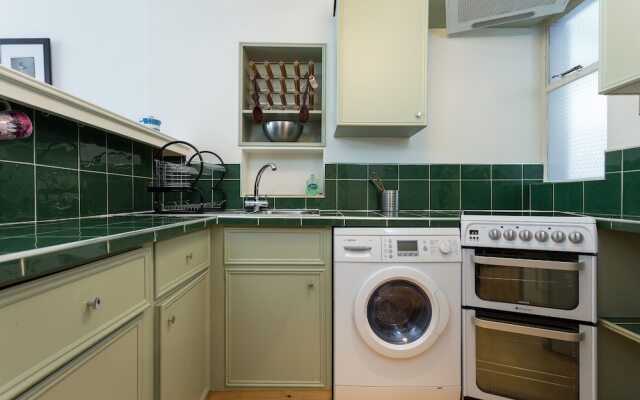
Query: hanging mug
point(14, 124)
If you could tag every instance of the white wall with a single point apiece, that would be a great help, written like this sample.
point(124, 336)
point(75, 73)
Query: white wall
point(623, 122)
point(484, 100)
point(98, 48)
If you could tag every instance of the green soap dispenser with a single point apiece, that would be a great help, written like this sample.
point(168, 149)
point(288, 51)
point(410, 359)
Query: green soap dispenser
point(312, 186)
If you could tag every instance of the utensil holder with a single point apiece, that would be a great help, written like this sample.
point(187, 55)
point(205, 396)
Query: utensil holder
point(390, 200)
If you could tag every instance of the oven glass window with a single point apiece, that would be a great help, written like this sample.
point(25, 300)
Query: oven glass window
point(399, 312)
point(525, 367)
point(527, 286)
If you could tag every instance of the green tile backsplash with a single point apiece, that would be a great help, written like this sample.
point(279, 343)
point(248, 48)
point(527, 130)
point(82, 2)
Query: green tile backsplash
point(70, 170)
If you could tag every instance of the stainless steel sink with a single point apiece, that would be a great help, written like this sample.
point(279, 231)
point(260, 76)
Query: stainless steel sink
point(289, 212)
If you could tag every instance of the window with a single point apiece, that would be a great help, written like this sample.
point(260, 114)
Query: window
point(576, 113)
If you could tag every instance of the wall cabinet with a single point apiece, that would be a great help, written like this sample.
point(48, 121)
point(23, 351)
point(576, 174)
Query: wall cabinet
point(182, 342)
point(277, 308)
point(381, 72)
point(619, 47)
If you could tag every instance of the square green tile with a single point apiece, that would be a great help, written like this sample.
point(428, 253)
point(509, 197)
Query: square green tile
point(414, 195)
point(408, 223)
point(233, 171)
point(613, 161)
point(373, 195)
point(506, 195)
point(290, 203)
point(476, 195)
point(57, 193)
point(631, 194)
point(568, 196)
point(439, 223)
point(322, 222)
point(445, 171)
point(533, 171)
point(119, 158)
point(414, 171)
point(231, 189)
point(280, 222)
point(352, 195)
point(506, 171)
point(329, 200)
point(120, 194)
point(63, 260)
point(130, 242)
point(330, 171)
point(93, 149)
point(445, 195)
point(631, 159)
point(604, 196)
point(384, 171)
point(142, 199)
point(526, 192)
point(476, 171)
point(542, 197)
point(9, 272)
point(194, 197)
point(18, 201)
point(352, 171)
point(93, 194)
point(56, 142)
point(142, 159)
point(19, 149)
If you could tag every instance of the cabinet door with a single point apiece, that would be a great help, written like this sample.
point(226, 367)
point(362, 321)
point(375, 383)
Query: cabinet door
point(183, 342)
point(110, 370)
point(382, 47)
point(275, 328)
point(619, 47)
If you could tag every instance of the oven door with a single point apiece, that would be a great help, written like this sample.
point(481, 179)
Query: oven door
point(560, 285)
point(511, 356)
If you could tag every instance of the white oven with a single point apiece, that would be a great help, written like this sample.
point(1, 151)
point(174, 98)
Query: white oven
point(515, 356)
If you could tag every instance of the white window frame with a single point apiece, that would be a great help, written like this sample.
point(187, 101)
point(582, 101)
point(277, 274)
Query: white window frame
point(563, 81)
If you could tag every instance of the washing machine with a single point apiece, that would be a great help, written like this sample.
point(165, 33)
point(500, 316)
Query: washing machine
point(397, 314)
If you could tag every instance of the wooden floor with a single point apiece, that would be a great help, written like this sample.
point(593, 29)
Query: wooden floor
point(271, 395)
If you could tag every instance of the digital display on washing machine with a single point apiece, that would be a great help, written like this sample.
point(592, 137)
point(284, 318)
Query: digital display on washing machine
point(407, 245)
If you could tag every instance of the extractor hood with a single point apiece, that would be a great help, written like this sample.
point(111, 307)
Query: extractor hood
point(466, 15)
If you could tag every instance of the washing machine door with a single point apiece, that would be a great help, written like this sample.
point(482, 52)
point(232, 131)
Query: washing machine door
point(400, 312)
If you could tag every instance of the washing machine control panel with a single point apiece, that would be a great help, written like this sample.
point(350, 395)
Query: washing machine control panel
point(420, 248)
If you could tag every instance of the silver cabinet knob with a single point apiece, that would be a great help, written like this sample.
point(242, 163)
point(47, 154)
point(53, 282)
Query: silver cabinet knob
point(172, 320)
point(310, 285)
point(494, 234)
point(95, 303)
point(418, 114)
point(576, 237)
point(558, 236)
point(189, 256)
point(542, 236)
point(525, 235)
point(510, 234)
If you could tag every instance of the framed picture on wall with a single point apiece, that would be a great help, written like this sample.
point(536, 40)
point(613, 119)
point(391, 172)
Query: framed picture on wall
point(29, 56)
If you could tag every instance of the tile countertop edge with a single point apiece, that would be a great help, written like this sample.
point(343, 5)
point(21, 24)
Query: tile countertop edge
point(87, 242)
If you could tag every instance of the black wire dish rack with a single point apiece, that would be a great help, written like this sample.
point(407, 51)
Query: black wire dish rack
point(187, 180)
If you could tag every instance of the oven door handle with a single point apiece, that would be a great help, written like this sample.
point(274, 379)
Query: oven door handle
point(526, 263)
point(528, 330)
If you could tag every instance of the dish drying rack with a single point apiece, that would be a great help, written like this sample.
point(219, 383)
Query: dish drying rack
point(183, 178)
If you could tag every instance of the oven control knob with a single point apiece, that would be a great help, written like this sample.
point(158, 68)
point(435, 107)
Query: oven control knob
point(494, 234)
point(558, 236)
point(445, 248)
point(542, 236)
point(525, 236)
point(576, 237)
point(510, 234)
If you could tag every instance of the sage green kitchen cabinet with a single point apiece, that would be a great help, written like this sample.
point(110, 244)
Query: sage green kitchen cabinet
point(382, 67)
point(619, 47)
point(277, 308)
point(182, 342)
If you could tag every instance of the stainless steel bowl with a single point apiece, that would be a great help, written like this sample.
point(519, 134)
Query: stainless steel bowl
point(282, 131)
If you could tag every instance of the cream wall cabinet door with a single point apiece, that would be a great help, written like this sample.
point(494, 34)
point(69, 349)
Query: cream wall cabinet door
point(113, 369)
point(48, 322)
point(381, 74)
point(619, 47)
point(276, 328)
point(182, 342)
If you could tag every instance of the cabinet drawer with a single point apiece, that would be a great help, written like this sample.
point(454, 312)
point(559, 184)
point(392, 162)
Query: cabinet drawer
point(275, 246)
point(47, 323)
point(110, 370)
point(179, 258)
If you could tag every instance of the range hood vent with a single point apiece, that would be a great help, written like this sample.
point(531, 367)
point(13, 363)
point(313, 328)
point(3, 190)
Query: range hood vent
point(466, 15)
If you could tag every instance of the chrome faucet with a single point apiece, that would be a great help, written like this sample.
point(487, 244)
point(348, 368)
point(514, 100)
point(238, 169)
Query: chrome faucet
point(257, 202)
